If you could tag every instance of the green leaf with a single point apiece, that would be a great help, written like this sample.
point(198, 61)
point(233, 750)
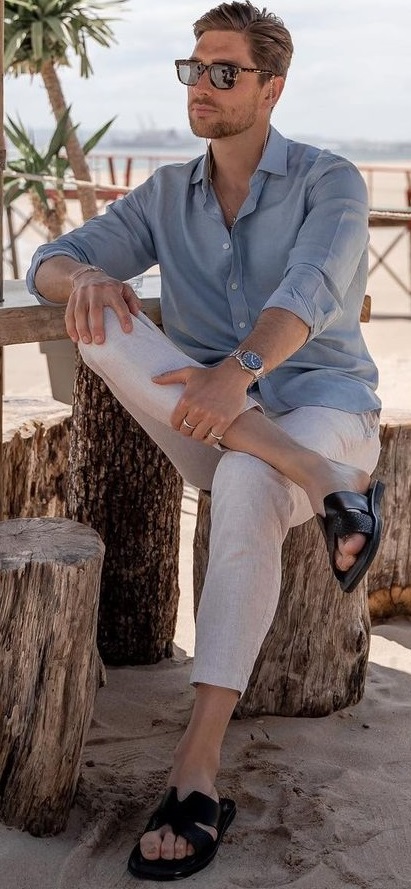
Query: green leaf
point(58, 29)
point(92, 141)
point(59, 137)
point(10, 50)
point(37, 40)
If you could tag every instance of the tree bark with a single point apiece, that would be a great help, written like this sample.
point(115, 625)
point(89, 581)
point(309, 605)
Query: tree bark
point(389, 578)
point(75, 152)
point(122, 485)
point(49, 666)
point(314, 658)
point(34, 467)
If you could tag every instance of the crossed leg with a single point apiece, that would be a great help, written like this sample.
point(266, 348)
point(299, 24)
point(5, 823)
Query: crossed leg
point(300, 477)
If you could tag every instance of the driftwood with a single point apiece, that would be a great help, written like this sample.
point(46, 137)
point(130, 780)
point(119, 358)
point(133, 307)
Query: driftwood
point(313, 660)
point(49, 666)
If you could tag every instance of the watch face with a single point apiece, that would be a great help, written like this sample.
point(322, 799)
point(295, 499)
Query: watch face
point(251, 360)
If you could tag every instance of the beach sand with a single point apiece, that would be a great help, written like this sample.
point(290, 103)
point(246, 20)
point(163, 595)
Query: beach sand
point(322, 803)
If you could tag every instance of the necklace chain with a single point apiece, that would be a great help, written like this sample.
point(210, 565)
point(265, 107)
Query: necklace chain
point(212, 182)
point(218, 191)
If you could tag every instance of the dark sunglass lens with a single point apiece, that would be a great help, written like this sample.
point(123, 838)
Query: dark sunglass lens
point(223, 76)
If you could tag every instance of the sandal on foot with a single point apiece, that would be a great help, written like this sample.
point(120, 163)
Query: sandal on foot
point(182, 817)
point(349, 513)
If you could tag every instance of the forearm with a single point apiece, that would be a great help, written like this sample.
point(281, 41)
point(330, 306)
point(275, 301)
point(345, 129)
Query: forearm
point(54, 277)
point(277, 334)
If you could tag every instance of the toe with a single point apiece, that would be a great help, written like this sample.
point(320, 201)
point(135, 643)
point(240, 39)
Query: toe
point(168, 845)
point(150, 845)
point(348, 549)
point(182, 848)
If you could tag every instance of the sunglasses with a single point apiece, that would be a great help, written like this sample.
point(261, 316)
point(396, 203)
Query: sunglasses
point(222, 75)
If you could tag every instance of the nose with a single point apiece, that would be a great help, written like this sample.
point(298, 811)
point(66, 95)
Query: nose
point(204, 83)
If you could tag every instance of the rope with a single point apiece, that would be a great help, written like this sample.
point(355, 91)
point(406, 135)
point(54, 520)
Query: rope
point(68, 183)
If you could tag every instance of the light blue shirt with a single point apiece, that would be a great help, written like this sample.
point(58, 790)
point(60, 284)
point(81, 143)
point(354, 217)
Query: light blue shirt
point(299, 243)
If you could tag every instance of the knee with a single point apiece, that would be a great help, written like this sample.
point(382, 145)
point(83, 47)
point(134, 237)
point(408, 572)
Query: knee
point(248, 475)
point(250, 498)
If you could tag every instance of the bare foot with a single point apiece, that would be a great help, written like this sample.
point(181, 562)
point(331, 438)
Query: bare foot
point(163, 843)
point(347, 550)
point(335, 477)
point(339, 477)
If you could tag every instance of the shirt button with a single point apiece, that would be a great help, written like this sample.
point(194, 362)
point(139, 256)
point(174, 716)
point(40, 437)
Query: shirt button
point(234, 286)
point(242, 324)
point(226, 246)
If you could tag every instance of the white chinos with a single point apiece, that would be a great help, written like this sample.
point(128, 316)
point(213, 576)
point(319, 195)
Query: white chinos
point(253, 505)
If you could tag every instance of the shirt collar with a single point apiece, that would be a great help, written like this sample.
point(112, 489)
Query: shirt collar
point(273, 160)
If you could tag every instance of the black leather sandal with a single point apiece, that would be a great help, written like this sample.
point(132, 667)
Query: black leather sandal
point(349, 513)
point(182, 817)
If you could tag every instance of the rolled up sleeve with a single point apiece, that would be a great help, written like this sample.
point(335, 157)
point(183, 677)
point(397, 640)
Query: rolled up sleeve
point(329, 246)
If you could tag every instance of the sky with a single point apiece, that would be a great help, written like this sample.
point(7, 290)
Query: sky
point(350, 77)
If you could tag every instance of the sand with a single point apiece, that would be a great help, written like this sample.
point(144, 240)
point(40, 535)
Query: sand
point(322, 803)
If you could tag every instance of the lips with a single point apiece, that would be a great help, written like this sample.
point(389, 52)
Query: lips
point(202, 108)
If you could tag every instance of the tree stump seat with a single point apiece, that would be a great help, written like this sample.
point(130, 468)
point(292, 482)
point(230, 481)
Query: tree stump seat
point(50, 670)
point(314, 658)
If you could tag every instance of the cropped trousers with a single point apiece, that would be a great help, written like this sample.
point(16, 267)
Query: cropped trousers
point(253, 505)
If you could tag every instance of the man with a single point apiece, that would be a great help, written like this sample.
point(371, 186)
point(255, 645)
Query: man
point(262, 245)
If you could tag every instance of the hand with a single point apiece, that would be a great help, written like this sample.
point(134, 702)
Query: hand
point(213, 397)
point(91, 293)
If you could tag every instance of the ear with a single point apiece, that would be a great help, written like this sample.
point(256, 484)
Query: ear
point(275, 87)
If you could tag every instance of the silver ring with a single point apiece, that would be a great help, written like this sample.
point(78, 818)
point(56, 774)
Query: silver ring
point(217, 437)
point(187, 425)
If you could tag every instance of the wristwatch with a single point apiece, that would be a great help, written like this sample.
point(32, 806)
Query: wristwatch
point(250, 361)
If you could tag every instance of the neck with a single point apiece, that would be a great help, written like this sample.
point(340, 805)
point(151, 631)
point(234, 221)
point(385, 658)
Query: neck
point(236, 158)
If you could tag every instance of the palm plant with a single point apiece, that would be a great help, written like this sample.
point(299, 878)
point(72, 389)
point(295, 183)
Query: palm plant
point(49, 208)
point(38, 39)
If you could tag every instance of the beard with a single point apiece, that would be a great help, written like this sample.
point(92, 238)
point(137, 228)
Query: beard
point(220, 129)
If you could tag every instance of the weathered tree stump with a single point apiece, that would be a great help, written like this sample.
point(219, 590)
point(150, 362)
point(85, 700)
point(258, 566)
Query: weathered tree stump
point(122, 485)
point(35, 463)
point(49, 666)
point(314, 658)
point(389, 578)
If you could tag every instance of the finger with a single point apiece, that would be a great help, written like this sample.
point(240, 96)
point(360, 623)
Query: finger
point(186, 428)
point(172, 376)
point(184, 410)
point(201, 432)
point(70, 322)
point(81, 321)
point(96, 323)
point(214, 437)
point(133, 301)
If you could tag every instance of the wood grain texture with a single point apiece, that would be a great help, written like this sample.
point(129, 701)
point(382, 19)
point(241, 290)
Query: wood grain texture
point(49, 666)
point(121, 483)
point(389, 578)
point(313, 660)
point(35, 468)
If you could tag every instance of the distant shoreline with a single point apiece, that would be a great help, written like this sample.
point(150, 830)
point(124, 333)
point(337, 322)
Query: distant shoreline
point(159, 142)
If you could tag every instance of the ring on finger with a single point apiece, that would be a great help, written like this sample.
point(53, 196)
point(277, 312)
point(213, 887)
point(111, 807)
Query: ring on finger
point(188, 425)
point(213, 434)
